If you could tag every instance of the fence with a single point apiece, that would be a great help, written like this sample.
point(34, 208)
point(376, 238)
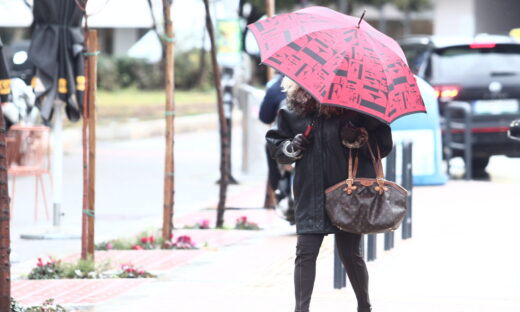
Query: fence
point(406, 180)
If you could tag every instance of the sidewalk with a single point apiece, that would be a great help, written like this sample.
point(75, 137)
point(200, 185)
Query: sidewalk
point(461, 258)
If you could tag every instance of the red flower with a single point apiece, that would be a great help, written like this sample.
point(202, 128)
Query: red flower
point(151, 239)
point(40, 262)
point(137, 247)
point(171, 236)
point(204, 224)
point(109, 246)
point(144, 240)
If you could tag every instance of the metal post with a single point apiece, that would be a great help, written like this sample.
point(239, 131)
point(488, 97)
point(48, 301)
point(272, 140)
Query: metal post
point(228, 83)
point(390, 176)
point(466, 126)
point(57, 164)
point(340, 279)
point(407, 184)
point(372, 247)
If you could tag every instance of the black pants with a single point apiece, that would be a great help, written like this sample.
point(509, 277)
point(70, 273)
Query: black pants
point(307, 249)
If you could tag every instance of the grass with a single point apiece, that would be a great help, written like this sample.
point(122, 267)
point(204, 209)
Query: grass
point(149, 104)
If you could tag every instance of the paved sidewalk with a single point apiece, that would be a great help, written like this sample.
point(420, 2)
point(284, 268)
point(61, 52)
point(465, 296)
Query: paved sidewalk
point(461, 259)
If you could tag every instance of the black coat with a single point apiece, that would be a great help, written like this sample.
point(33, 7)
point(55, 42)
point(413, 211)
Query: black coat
point(324, 163)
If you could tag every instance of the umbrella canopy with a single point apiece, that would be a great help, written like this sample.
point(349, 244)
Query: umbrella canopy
point(340, 60)
point(56, 51)
point(5, 82)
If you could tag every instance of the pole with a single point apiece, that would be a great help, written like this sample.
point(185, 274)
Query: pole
point(92, 87)
point(84, 132)
point(57, 163)
point(224, 140)
point(169, 169)
point(269, 10)
point(5, 240)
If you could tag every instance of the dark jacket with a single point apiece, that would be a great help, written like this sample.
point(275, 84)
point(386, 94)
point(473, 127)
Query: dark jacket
point(324, 163)
point(271, 102)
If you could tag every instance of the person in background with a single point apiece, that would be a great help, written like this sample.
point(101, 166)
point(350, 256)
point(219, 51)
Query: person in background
point(268, 110)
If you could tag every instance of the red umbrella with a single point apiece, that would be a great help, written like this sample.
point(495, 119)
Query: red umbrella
point(340, 60)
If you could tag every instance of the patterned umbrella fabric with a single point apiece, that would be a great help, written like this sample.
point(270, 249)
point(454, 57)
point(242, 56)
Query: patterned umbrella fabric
point(5, 82)
point(340, 60)
point(56, 51)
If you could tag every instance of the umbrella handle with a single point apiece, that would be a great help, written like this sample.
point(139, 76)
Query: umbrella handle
point(308, 130)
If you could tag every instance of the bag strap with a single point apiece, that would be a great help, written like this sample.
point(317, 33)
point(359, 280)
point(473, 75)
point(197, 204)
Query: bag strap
point(378, 165)
point(352, 169)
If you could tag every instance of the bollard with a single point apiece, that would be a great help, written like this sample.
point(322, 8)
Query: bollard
point(407, 182)
point(371, 247)
point(390, 176)
point(340, 279)
point(465, 126)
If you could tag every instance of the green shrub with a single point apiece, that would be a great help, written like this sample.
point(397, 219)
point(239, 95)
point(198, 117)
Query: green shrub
point(125, 72)
point(84, 269)
point(107, 73)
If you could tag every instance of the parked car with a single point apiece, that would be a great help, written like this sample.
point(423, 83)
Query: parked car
point(514, 130)
point(484, 71)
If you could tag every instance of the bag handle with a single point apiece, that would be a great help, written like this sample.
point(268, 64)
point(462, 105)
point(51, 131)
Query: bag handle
point(378, 165)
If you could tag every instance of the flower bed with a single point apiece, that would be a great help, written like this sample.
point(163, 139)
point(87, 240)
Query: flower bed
point(83, 269)
point(47, 306)
point(147, 241)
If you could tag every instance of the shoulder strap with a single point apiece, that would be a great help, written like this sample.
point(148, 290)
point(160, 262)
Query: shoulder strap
point(352, 169)
point(378, 165)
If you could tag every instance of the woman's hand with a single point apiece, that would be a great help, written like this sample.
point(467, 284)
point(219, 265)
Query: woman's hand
point(300, 142)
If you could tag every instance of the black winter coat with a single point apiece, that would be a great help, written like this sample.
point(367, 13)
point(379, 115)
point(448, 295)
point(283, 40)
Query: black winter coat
point(324, 163)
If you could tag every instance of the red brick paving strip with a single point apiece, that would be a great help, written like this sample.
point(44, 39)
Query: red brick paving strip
point(71, 291)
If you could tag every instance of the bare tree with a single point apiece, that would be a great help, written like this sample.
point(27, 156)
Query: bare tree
point(5, 249)
point(224, 139)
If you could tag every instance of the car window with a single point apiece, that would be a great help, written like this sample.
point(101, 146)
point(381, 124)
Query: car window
point(459, 61)
point(415, 55)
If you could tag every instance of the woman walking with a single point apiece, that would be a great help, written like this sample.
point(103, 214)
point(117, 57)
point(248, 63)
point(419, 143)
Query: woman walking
point(321, 160)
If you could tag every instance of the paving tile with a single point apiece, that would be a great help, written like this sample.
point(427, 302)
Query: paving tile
point(71, 291)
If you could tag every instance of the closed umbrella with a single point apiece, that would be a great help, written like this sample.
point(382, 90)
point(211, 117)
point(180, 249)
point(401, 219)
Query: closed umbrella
point(5, 82)
point(341, 61)
point(56, 52)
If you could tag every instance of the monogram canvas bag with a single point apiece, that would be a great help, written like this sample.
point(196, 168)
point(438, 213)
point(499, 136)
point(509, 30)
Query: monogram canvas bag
point(366, 205)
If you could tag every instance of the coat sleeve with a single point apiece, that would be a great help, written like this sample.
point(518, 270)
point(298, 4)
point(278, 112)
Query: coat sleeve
point(278, 136)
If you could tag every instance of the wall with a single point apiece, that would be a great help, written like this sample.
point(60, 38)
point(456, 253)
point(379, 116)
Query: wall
point(454, 17)
point(497, 16)
point(123, 39)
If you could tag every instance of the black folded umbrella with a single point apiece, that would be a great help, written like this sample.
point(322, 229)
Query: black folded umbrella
point(5, 82)
point(56, 51)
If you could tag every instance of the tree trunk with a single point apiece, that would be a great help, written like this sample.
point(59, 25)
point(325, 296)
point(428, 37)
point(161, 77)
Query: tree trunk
point(169, 169)
point(84, 132)
point(5, 250)
point(269, 10)
point(92, 88)
point(407, 23)
point(343, 6)
point(382, 19)
point(224, 139)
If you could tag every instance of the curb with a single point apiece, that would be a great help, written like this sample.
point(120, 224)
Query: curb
point(140, 129)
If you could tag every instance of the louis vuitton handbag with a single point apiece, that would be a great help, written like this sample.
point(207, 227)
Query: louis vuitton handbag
point(366, 205)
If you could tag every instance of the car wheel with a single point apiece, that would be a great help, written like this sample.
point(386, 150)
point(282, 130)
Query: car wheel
point(479, 164)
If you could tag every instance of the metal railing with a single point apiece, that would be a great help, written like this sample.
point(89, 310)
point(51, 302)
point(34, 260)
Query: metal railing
point(370, 251)
point(464, 124)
